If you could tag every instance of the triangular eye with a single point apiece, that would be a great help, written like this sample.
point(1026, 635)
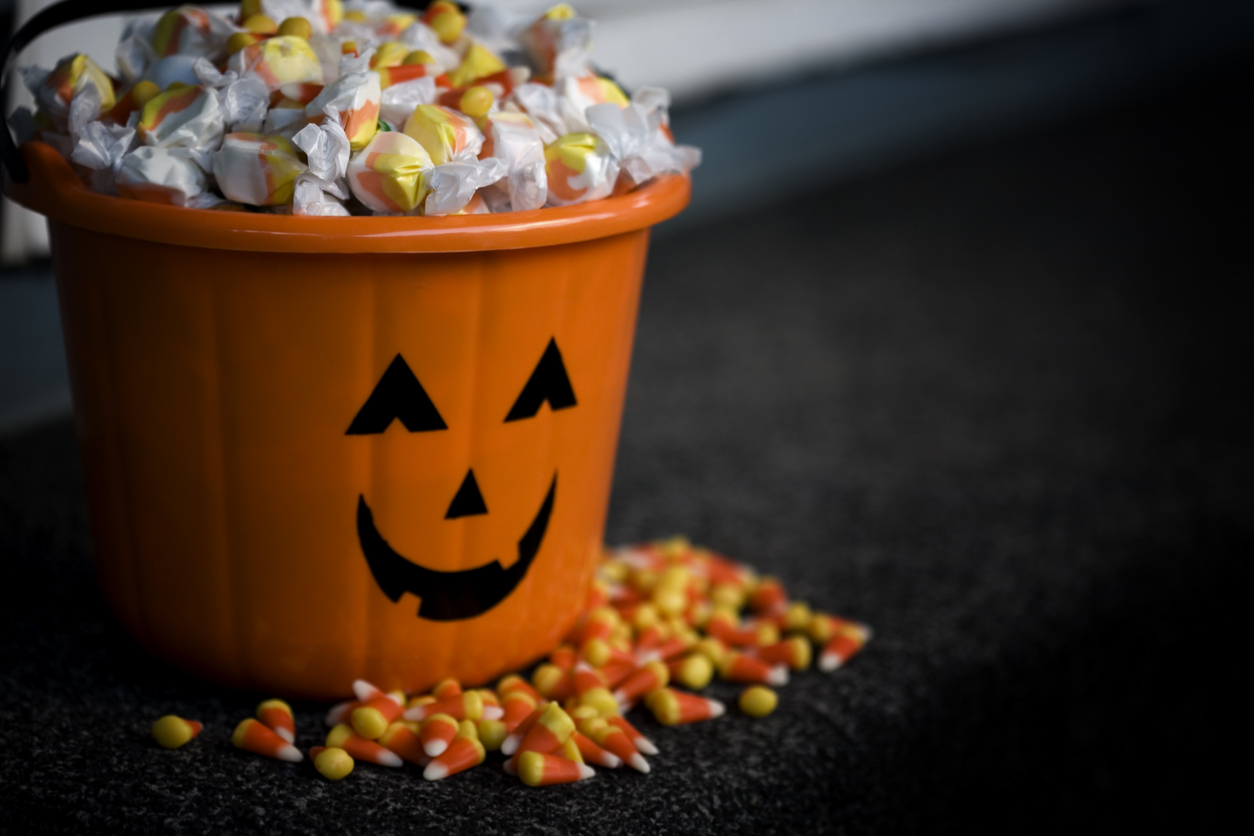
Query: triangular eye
point(398, 394)
point(549, 382)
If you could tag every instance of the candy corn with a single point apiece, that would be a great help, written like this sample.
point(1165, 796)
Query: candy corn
point(843, 646)
point(402, 740)
point(437, 733)
point(172, 732)
point(542, 770)
point(254, 737)
point(462, 755)
point(343, 737)
point(277, 715)
point(672, 708)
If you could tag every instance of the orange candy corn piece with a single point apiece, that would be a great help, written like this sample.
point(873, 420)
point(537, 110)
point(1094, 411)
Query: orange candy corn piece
point(360, 749)
point(446, 688)
point(592, 753)
point(794, 652)
point(467, 706)
point(517, 706)
point(252, 736)
point(739, 667)
point(437, 733)
point(673, 708)
point(551, 729)
point(843, 647)
point(652, 676)
point(373, 718)
point(510, 745)
point(541, 770)
point(402, 740)
point(277, 716)
point(643, 744)
point(462, 755)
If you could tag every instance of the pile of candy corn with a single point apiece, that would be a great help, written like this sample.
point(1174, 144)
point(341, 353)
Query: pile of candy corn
point(658, 615)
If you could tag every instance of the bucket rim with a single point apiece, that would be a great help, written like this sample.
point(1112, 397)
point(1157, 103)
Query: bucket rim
point(54, 190)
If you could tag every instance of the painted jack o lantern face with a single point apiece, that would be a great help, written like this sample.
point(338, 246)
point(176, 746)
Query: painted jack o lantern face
point(452, 596)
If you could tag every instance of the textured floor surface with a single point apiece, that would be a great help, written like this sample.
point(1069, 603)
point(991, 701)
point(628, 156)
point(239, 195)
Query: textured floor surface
point(997, 405)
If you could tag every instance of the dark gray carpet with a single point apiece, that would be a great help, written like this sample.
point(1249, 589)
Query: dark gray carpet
point(996, 405)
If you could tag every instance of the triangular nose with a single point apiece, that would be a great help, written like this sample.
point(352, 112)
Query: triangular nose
point(468, 501)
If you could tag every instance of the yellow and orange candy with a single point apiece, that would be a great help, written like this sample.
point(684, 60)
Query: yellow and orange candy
point(172, 731)
point(252, 736)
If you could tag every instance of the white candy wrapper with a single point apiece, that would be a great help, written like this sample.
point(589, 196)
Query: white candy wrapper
point(286, 121)
point(452, 185)
point(513, 139)
point(638, 144)
point(389, 176)
point(243, 99)
point(74, 77)
point(353, 101)
point(421, 36)
point(101, 147)
point(165, 71)
point(133, 56)
point(313, 196)
point(257, 169)
point(558, 44)
point(160, 175)
point(189, 30)
point(540, 102)
point(448, 135)
point(279, 60)
point(577, 94)
point(399, 100)
point(580, 168)
point(326, 148)
point(187, 117)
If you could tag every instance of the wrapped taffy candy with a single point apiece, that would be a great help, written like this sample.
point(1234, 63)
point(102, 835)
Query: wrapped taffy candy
point(636, 140)
point(558, 42)
point(160, 175)
point(452, 186)
point(445, 134)
point(189, 30)
point(390, 174)
point(353, 99)
point(477, 63)
point(184, 117)
point(303, 87)
point(399, 100)
point(284, 59)
point(244, 99)
point(513, 139)
point(257, 169)
point(312, 195)
point(72, 77)
point(540, 102)
point(99, 149)
point(577, 94)
point(580, 168)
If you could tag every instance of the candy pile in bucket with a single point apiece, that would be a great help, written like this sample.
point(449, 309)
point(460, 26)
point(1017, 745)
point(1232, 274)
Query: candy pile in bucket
point(659, 615)
point(317, 107)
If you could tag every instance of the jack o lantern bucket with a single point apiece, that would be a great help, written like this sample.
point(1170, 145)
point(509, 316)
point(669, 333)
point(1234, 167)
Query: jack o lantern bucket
point(317, 449)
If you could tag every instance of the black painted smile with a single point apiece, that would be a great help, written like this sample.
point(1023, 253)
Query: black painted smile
point(449, 596)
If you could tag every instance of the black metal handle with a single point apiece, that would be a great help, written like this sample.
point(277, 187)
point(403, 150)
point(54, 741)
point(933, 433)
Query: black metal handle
point(67, 11)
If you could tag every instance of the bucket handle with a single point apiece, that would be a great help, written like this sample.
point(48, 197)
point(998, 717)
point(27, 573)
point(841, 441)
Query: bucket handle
point(67, 11)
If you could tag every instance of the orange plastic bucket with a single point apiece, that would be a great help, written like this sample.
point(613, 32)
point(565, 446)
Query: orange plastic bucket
point(317, 449)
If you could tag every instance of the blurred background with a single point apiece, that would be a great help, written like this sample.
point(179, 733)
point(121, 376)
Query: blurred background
point(842, 88)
